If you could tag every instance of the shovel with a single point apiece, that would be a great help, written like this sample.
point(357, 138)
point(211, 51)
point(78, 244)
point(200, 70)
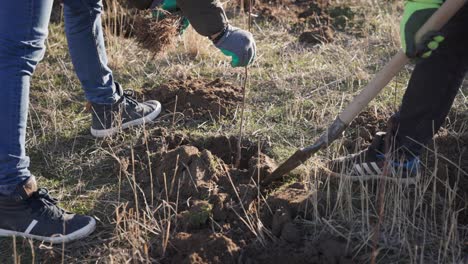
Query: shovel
point(435, 23)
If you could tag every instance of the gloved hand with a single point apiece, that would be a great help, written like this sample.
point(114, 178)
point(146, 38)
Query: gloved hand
point(416, 13)
point(238, 44)
point(162, 7)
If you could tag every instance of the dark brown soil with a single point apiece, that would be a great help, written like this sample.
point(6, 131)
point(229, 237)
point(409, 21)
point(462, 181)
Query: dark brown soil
point(285, 10)
point(363, 128)
point(308, 18)
point(302, 250)
point(203, 247)
point(317, 36)
point(196, 175)
point(198, 99)
point(156, 35)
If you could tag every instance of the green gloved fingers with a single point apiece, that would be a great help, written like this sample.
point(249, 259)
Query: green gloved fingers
point(169, 5)
point(239, 45)
point(430, 42)
point(235, 59)
point(162, 7)
point(416, 13)
point(184, 25)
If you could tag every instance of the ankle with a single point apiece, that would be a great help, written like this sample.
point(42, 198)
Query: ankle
point(26, 189)
point(30, 186)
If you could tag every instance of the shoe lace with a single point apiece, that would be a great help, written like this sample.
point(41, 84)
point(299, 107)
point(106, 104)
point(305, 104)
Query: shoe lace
point(46, 204)
point(129, 96)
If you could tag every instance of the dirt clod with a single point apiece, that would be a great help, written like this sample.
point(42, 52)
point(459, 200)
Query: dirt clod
point(156, 35)
point(317, 36)
point(185, 171)
point(219, 209)
point(260, 167)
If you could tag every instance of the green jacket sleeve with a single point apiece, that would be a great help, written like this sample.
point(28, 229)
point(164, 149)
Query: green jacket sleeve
point(207, 17)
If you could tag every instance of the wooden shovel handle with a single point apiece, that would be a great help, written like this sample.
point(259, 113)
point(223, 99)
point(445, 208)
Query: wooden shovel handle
point(435, 23)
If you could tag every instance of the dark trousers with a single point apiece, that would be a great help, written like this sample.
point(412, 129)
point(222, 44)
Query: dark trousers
point(433, 86)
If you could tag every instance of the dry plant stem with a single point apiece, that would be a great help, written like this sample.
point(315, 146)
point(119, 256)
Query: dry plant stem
point(15, 254)
point(148, 155)
point(174, 113)
point(244, 88)
point(380, 204)
point(135, 184)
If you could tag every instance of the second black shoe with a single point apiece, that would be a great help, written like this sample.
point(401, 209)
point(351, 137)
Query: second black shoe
point(108, 120)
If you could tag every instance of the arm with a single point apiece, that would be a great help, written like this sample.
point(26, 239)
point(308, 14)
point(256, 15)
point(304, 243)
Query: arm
point(207, 17)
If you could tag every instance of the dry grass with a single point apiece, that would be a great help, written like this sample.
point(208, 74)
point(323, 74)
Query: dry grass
point(296, 91)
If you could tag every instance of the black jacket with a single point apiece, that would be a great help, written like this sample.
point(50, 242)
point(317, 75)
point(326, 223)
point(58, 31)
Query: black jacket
point(206, 16)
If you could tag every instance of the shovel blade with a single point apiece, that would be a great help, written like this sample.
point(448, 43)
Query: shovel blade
point(298, 158)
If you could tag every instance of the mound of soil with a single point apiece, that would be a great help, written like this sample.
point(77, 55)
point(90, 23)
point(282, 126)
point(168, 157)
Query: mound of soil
point(196, 175)
point(185, 167)
point(204, 247)
point(198, 98)
point(317, 36)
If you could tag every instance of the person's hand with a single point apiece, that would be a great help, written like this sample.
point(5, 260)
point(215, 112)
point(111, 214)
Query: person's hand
point(170, 6)
point(237, 44)
point(416, 13)
point(163, 7)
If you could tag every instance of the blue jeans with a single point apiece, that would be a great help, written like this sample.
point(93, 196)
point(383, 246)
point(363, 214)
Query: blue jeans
point(23, 31)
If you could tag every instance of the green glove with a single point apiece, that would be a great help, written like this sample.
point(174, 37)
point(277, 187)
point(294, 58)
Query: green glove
point(416, 13)
point(169, 6)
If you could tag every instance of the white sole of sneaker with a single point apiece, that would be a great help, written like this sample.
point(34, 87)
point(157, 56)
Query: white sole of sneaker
point(137, 122)
point(56, 239)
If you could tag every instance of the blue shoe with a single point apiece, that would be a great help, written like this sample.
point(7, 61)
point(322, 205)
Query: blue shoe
point(369, 164)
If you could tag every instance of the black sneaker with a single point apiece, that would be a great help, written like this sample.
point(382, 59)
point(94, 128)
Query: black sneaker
point(38, 217)
point(369, 164)
point(127, 112)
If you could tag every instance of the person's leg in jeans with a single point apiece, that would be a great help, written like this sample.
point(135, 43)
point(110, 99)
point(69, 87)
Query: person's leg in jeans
point(433, 86)
point(23, 30)
point(25, 210)
point(86, 44)
point(87, 49)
